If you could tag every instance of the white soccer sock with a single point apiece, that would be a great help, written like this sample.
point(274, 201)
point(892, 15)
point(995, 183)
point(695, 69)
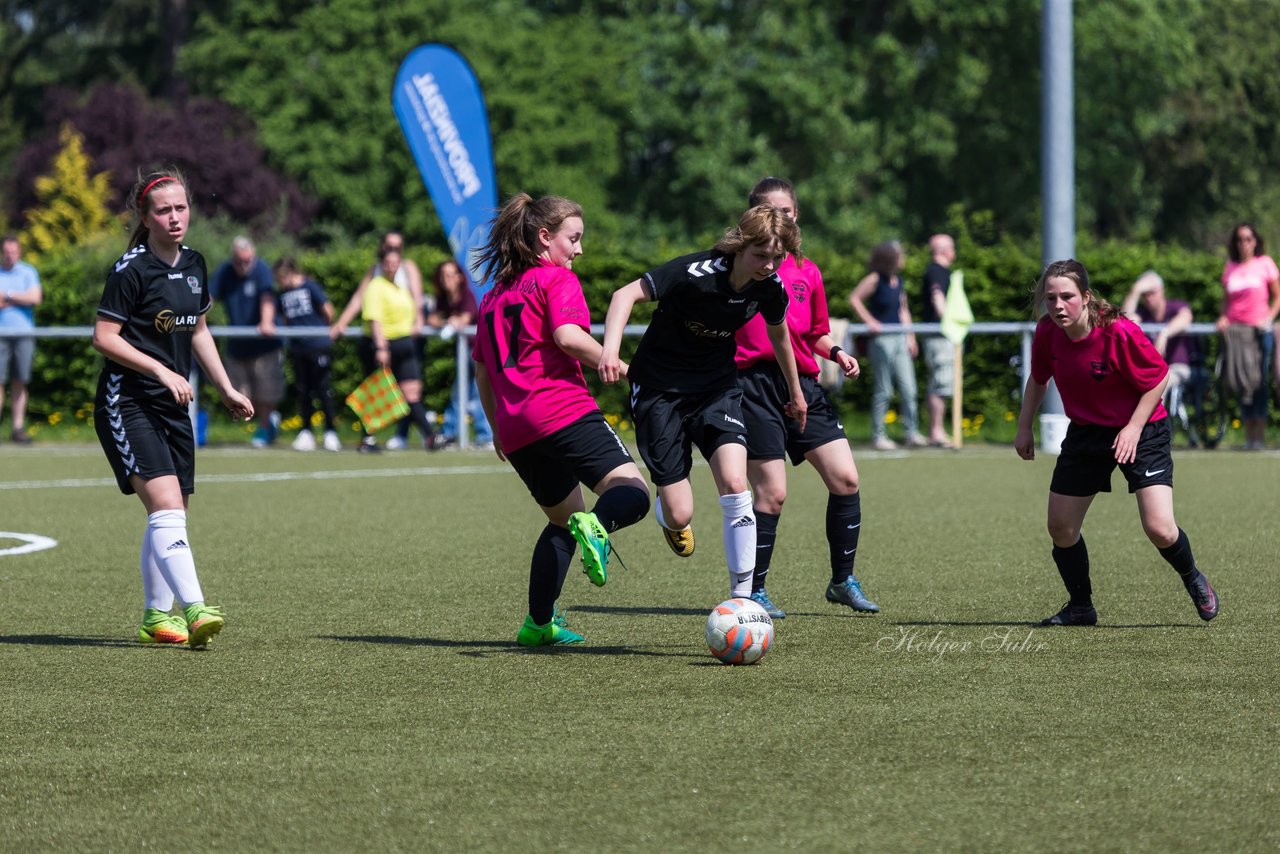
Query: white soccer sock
point(659, 515)
point(156, 592)
point(739, 541)
point(168, 530)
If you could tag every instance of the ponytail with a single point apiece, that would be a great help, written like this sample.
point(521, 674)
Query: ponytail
point(513, 245)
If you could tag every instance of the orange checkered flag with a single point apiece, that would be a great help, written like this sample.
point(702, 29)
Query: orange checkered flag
point(378, 401)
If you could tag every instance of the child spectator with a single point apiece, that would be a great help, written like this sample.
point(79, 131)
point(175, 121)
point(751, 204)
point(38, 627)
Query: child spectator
point(302, 302)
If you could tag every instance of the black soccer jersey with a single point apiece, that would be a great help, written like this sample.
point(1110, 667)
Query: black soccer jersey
point(159, 306)
point(689, 344)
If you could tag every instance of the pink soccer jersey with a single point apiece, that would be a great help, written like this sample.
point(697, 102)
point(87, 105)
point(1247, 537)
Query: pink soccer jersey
point(807, 320)
point(538, 387)
point(1248, 289)
point(1102, 376)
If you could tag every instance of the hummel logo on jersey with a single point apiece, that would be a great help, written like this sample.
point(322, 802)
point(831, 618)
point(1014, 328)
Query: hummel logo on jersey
point(180, 544)
point(1150, 473)
point(733, 420)
point(745, 522)
point(173, 276)
point(737, 301)
point(698, 269)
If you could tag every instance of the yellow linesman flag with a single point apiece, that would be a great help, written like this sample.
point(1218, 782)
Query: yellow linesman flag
point(956, 316)
point(378, 401)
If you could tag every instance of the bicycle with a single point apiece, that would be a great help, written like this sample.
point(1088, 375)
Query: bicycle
point(1203, 409)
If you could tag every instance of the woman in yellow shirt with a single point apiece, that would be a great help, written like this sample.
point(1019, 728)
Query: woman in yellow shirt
point(395, 320)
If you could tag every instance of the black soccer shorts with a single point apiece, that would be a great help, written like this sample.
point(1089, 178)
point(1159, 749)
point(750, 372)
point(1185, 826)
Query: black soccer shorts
point(150, 436)
point(1087, 459)
point(771, 434)
point(582, 452)
point(670, 424)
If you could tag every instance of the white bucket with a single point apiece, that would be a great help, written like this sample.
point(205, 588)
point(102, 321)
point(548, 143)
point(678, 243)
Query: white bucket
point(1053, 429)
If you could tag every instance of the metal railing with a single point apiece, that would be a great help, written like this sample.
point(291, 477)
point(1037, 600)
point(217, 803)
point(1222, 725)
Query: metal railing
point(461, 390)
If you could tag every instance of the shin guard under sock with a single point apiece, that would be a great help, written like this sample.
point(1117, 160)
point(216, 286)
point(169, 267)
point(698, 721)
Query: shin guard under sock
point(739, 528)
point(766, 536)
point(844, 524)
point(621, 506)
point(1180, 557)
point(550, 563)
point(1073, 566)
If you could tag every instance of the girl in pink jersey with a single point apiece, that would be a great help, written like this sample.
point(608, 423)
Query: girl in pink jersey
point(772, 436)
point(532, 339)
point(1111, 379)
point(1250, 304)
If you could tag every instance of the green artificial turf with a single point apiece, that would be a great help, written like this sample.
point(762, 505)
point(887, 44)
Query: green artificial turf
point(367, 694)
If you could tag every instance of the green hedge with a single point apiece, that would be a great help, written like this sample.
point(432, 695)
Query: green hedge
point(999, 275)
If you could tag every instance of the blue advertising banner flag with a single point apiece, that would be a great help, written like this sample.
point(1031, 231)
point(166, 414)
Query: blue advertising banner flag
point(440, 107)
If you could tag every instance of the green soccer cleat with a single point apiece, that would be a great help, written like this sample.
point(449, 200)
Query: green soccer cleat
point(161, 627)
point(594, 539)
point(203, 622)
point(554, 633)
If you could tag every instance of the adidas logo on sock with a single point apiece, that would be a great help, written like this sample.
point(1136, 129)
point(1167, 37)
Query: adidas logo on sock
point(744, 522)
point(180, 544)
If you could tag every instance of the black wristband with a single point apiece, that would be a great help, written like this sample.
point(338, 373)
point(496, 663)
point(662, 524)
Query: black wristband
point(834, 350)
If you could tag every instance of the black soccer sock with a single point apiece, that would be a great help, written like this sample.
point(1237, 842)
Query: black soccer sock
point(844, 524)
point(326, 406)
point(551, 557)
point(306, 409)
point(621, 506)
point(766, 536)
point(1073, 566)
point(1180, 557)
point(418, 413)
point(403, 425)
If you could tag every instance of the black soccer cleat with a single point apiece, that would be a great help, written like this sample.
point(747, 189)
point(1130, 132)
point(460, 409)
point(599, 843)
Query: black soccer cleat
point(1073, 615)
point(1206, 601)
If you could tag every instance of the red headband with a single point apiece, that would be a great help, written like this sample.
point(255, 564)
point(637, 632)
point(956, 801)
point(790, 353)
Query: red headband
point(147, 188)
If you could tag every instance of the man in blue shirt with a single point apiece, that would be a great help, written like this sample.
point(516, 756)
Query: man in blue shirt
point(20, 293)
point(246, 289)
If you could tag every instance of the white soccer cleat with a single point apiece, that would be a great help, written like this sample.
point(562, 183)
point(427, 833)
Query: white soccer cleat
point(306, 441)
point(332, 442)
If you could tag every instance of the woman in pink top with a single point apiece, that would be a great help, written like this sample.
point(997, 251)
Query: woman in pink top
point(1111, 379)
point(532, 339)
point(1251, 298)
point(772, 436)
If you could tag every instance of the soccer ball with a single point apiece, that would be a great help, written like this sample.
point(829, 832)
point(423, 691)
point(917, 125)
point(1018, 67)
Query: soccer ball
point(739, 631)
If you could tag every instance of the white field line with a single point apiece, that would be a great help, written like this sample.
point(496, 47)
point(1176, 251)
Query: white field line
point(268, 477)
point(31, 543)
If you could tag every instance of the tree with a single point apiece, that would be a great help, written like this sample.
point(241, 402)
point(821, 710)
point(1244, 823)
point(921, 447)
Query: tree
point(71, 203)
point(212, 143)
point(659, 114)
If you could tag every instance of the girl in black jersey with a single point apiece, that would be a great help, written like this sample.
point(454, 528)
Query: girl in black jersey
point(684, 382)
point(150, 322)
